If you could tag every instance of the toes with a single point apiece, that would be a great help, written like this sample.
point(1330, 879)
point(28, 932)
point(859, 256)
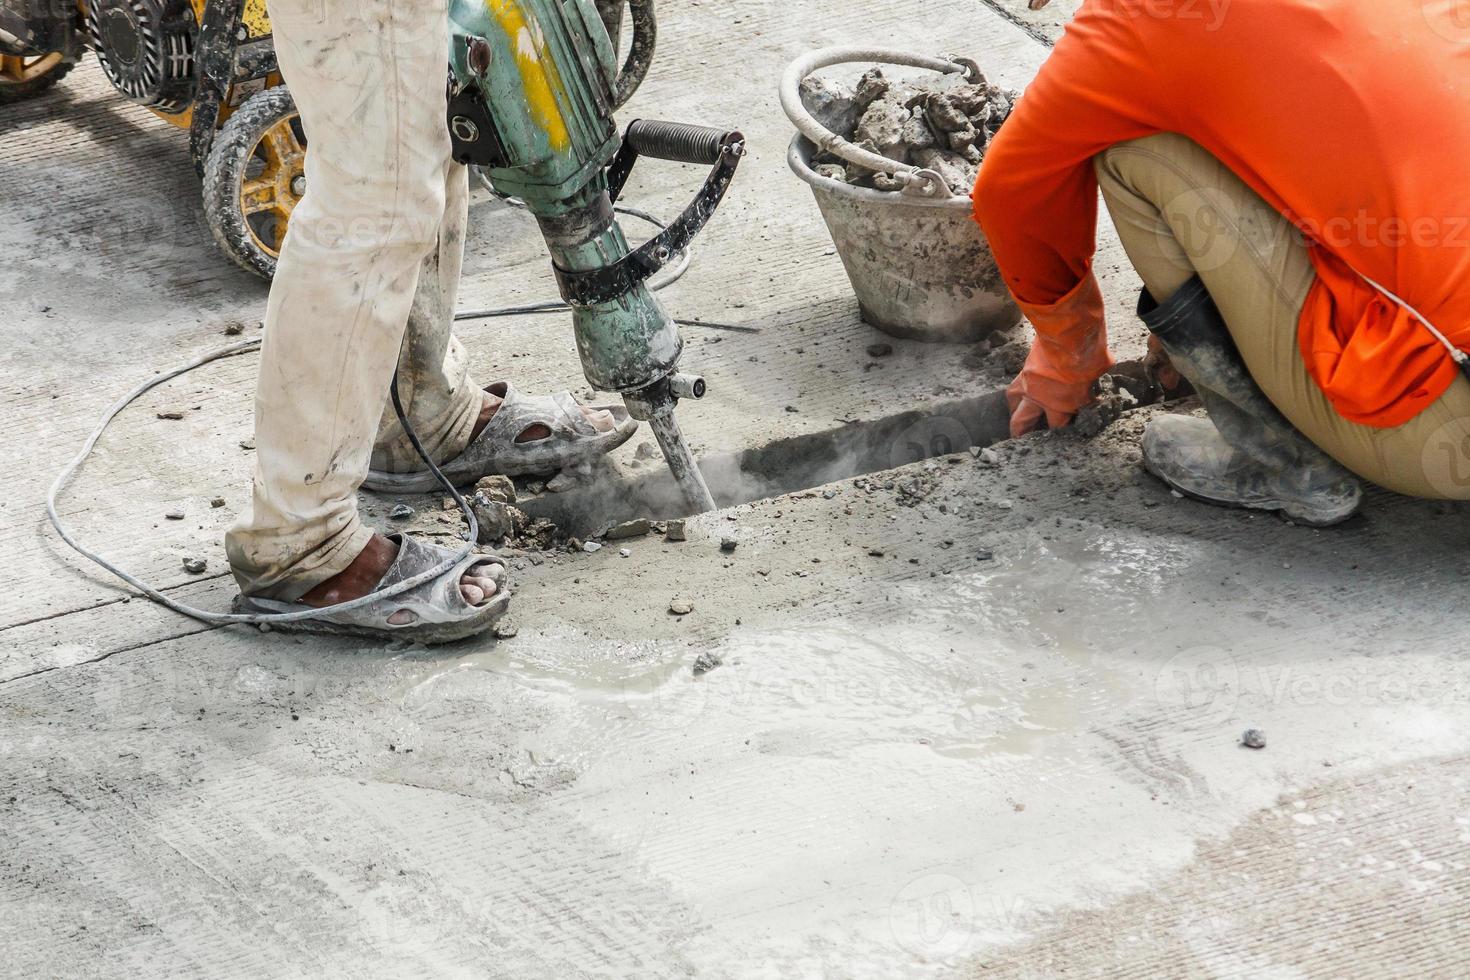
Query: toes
point(477, 591)
point(403, 617)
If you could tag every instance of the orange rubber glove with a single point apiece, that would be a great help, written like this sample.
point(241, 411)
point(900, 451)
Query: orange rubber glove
point(1070, 353)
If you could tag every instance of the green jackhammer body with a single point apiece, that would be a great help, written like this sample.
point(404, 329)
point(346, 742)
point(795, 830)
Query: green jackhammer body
point(531, 96)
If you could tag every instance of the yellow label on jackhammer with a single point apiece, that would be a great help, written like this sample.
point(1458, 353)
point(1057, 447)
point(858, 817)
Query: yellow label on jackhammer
point(538, 71)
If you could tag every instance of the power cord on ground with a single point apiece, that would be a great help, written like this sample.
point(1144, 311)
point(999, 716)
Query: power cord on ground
point(264, 620)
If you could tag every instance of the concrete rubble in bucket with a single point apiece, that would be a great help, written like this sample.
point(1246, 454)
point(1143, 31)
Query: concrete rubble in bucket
point(944, 125)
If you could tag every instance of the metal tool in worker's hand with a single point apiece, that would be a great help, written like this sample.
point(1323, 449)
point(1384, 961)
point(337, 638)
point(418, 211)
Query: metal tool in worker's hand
point(532, 90)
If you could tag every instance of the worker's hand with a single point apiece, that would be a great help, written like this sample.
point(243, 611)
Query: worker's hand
point(1027, 415)
point(1069, 353)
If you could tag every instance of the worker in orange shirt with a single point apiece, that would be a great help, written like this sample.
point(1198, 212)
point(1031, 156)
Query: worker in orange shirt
point(1287, 176)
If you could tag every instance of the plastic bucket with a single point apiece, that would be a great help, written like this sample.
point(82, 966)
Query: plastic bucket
point(918, 262)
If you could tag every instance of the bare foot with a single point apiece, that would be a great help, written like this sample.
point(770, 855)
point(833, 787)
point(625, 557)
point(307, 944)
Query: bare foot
point(601, 421)
point(368, 569)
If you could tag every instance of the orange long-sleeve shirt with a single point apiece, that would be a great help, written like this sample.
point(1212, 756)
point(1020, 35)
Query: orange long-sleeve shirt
point(1350, 117)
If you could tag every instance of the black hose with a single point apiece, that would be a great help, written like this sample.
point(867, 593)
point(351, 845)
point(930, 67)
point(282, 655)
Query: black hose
point(640, 58)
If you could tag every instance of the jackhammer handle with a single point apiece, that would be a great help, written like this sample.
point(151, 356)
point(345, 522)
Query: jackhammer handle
point(679, 142)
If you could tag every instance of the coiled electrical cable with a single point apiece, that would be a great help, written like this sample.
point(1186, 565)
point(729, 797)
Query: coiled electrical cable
point(266, 619)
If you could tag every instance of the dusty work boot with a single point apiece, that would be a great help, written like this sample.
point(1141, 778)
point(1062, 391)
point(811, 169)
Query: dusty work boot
point(1247, 454)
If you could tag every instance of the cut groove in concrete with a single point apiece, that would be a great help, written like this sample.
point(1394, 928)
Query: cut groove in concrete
point(792, 464)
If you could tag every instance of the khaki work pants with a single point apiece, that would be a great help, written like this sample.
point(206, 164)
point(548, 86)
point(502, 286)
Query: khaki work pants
point(367, 282)
point(1181, 212)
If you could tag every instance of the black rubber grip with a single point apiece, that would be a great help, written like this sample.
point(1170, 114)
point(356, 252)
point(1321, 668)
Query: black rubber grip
point(679, 142)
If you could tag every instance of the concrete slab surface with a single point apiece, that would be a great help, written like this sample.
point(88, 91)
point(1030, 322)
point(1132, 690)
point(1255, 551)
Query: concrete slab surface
point(974, 716)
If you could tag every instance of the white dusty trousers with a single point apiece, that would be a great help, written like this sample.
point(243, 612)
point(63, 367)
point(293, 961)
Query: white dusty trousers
point(367, 280)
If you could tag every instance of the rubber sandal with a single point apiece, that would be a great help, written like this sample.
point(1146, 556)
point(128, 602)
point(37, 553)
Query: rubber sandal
point(573, 442)
point(441, 614)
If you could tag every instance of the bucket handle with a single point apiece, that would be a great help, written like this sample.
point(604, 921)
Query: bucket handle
point(915, 181)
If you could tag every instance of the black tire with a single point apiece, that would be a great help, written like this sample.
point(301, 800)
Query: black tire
point(14, 90)
point(242, 154)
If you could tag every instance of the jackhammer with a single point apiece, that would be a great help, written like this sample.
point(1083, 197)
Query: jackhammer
point(533, 85)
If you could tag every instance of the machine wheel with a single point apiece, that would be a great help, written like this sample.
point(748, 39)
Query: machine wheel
point(27, 76)
point(254, 178)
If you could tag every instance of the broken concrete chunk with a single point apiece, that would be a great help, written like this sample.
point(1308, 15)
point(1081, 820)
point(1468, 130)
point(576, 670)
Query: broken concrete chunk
point(400, 512)
point(969, 98)
point(887, 182)
point(628, 529)
point(830, 103)
point(729, 544)
point(944, 115)
point(916, 134)
point(681, 607)
point(195, 566)
point(870, 88)
point(647, 450)
point(706, 662)
point(909, 96)
point(900, 120)
point(506, 629)
point(1110, 401)
point(172, 415)
point(562, 482)
point(953, 169)
point(1254, 738)
point(174, 515)
point(498, 489)
point(1002, 104)
point(676, 532)
point(964, 139)
point(497, 520)
point(217, 502)
point(591, 547)
point(882, 127)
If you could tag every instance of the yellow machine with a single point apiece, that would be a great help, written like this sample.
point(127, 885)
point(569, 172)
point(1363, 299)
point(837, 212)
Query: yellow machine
point(206, 66)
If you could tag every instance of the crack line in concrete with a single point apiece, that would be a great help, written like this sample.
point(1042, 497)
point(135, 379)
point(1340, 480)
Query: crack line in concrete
point(106, 656)
point(1025, 25)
